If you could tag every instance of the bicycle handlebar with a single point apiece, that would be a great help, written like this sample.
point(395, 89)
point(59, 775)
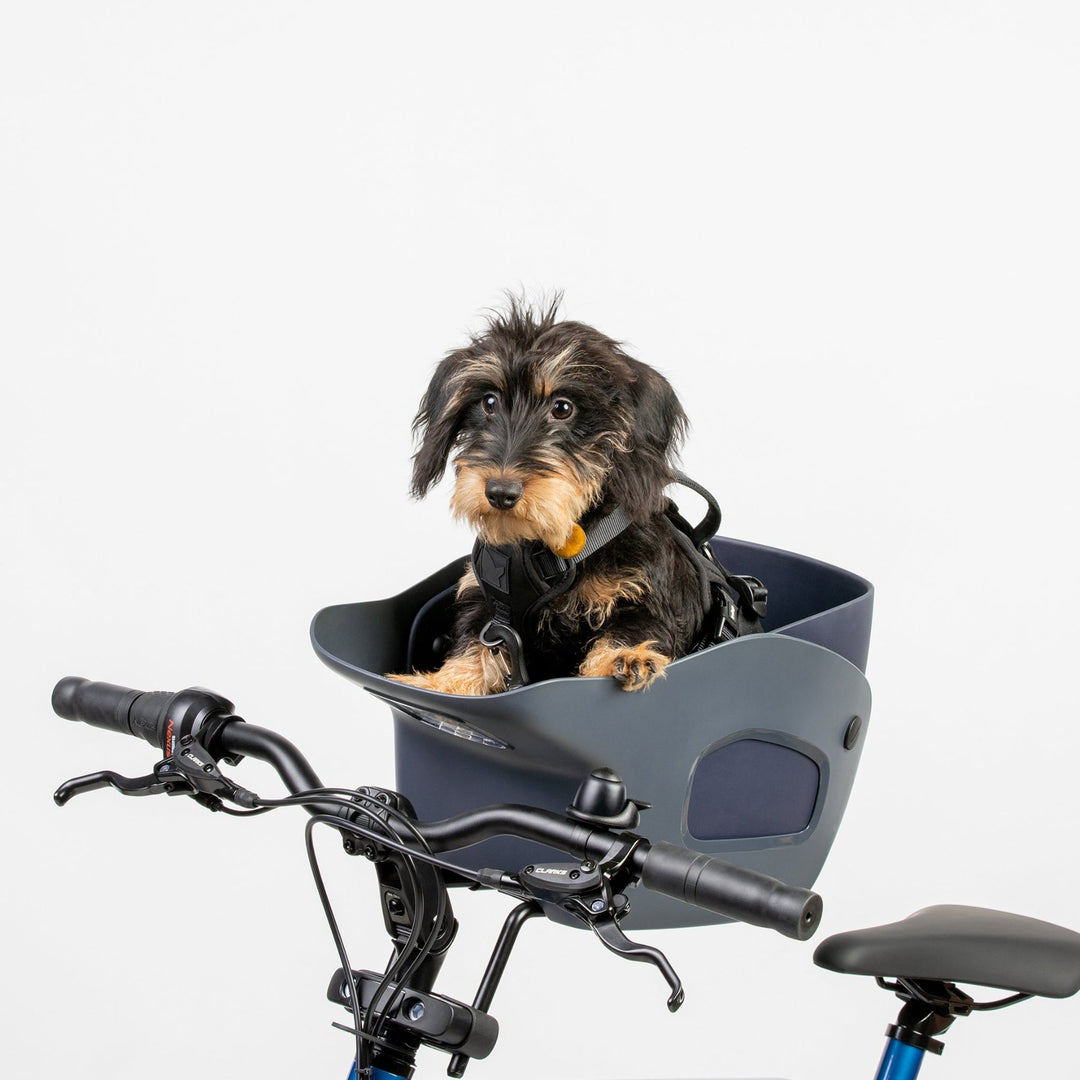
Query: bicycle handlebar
point(162, 718)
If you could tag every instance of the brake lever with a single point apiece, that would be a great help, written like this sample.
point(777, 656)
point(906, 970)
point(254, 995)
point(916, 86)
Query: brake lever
point(126, 785)
point(607, 929)
point(188, 770)
point(584, 893)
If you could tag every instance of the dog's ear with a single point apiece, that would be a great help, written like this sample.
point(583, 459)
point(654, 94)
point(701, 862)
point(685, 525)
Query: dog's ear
point(658, 424)
point(438, 421)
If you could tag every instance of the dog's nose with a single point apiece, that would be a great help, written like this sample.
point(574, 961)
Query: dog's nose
point(502, 494)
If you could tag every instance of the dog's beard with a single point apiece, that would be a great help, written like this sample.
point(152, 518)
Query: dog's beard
point(551, 504)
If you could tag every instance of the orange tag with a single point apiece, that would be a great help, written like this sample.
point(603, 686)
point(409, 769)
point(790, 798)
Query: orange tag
point(573, 545)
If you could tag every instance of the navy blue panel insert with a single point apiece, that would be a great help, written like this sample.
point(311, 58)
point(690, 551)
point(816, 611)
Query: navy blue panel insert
point(750, 788)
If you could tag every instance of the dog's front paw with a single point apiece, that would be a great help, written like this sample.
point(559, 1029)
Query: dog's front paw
point(634, 666)
point(472, 672)
point(425, 680)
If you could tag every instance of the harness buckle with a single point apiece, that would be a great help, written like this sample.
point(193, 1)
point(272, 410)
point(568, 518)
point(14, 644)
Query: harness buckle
point(752, 593)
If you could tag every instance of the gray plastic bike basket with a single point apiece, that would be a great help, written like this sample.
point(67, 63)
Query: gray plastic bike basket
point(747, 750)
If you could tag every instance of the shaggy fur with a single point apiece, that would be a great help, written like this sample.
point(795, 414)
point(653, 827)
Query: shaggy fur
point(548, 425)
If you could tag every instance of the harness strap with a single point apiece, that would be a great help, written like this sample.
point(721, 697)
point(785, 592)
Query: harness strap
point(706, 528)
point(518, 578)
point(734, 604)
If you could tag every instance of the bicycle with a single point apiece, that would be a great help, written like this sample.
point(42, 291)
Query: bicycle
point(920, 959)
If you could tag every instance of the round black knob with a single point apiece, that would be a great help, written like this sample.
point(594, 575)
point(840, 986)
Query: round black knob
point(601, 794)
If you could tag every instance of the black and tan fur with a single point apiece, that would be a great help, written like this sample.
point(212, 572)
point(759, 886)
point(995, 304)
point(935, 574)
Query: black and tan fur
point(548, 425)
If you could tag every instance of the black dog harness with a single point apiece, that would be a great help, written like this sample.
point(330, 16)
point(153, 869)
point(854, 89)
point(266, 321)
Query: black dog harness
point(517, 580)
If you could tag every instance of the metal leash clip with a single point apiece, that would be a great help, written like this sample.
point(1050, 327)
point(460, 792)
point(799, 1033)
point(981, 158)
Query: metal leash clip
point(507, 650)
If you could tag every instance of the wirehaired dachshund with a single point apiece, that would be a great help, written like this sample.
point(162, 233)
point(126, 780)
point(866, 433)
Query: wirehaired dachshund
point(551, 428)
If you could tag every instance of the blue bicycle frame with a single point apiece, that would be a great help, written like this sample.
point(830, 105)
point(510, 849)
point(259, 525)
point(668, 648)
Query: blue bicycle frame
point(898, 1062)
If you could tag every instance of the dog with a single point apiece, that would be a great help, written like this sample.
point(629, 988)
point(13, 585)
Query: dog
point(552, 428)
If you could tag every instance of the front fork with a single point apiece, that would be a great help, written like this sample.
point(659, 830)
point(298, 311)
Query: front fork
point(405, 887)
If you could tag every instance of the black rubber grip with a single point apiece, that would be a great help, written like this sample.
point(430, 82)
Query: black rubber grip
point(160, 716)
point(738, 893)
point(116, 708)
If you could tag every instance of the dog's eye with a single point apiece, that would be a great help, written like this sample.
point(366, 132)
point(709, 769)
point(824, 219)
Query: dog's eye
point(490, 403)
point(562, 409)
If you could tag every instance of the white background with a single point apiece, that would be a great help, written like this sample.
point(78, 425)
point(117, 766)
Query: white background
point(234, 239)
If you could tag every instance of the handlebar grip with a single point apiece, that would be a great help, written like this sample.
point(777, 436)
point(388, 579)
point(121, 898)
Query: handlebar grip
point(734, 891)
point(158, 716)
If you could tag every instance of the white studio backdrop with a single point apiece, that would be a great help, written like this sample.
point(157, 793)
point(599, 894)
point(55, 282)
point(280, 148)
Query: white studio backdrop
point(234, 240)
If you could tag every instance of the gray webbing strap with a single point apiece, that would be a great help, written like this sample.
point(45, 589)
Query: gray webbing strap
point(603, 532)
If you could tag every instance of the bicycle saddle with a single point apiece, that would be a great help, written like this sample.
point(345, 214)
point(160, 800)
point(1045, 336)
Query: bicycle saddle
point(957, 944)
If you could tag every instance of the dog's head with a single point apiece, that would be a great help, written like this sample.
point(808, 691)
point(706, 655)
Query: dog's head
point(543, 420)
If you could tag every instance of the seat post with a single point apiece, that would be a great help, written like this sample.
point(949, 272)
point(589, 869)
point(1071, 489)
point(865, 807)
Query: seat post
point(929, 1009)
point(899, 1061)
